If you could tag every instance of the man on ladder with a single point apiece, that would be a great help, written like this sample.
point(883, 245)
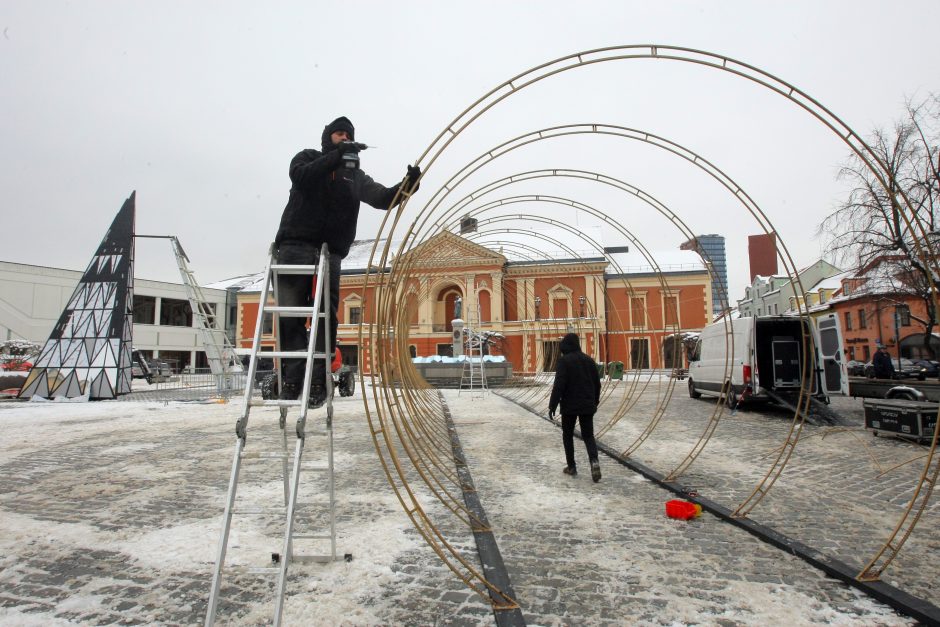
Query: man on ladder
point(326, 189)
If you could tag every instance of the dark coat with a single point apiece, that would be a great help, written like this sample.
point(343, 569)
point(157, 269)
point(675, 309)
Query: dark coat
point(577, 382)
point(324, 197)
point(882, 365)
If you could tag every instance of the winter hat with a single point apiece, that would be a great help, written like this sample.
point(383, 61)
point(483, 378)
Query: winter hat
point(339, 124)
point(570, 343)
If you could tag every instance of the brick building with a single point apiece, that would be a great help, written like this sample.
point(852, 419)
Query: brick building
point(624, 316)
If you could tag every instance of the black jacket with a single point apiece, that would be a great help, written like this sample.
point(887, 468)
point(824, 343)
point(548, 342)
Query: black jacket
point(882, 365)
point(577, 382)
point(324, 198)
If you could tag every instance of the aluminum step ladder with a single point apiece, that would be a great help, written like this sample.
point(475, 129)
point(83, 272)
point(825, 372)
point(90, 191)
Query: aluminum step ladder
point(325, 470)
point(220, 353)
point(473, 375)
point(219, 350)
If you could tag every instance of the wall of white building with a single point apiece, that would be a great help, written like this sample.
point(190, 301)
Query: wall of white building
point(32, 299)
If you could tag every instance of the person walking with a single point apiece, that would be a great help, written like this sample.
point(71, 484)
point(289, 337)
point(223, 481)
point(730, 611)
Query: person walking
point(578, 388)
point(327, 186)
point(882, 364)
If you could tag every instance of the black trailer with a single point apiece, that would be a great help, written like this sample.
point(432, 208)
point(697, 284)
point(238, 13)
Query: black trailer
point(862, 387)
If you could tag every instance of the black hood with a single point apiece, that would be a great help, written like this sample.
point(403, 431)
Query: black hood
point(339, 124)
point(570, 344)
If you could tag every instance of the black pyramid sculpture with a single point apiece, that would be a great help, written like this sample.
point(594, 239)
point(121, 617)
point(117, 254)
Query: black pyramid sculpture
point(89, 350)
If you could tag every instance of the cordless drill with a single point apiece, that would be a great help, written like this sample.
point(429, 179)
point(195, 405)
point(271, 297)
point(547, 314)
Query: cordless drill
point(350, 154)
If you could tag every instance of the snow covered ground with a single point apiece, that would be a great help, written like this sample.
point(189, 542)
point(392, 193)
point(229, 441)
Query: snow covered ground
point(110, 512)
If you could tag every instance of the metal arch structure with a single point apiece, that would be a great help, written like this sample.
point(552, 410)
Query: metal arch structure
point(663, 401)
point(803, 402)
point(712, 424)
point(927, 480)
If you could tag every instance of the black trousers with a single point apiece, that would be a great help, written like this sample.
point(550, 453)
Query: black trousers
point(587, 434)
point(296, 290)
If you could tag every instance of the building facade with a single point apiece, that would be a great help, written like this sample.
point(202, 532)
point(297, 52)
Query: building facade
point(530, 304)
point(874, 309)
point(773, 295)
point(33, 297)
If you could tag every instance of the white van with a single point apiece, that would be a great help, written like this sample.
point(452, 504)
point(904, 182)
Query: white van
point(762, 358)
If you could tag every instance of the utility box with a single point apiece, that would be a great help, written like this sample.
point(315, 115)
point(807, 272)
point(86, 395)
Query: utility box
point(911, 419)
point(615, 369)
point(601, 369)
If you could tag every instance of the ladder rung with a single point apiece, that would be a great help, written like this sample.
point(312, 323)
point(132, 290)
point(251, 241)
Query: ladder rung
point(320, 559)
point(316, 467)
point(263, 454)
point(291, 354)
point(273, 403)
point(299, 312)
point(312, 536)
point(254, 570)
point(289, 269)
point(260, 510)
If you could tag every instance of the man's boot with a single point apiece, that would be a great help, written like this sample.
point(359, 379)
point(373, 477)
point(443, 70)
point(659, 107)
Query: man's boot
point(317, 396)
point(290, 392)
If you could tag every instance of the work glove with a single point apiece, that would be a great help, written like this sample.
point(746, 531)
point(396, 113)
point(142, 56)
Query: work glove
point(414, 173)
point(344, 147)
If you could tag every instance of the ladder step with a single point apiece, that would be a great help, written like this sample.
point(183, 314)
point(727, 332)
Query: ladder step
point(298, 312)
point(291, 354)
point(319, 559)
point(254, 570)
point(312, 536)
point(260, 510)
point(273, 403)
point(263, 455)
point(288, 269)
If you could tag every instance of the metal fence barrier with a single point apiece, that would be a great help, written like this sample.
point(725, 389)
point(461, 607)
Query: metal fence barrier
point(194, 385)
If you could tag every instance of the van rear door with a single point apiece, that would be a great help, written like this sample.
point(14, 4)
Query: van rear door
point(827, 332)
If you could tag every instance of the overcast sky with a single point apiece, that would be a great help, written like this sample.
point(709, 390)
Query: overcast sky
point(199, 106)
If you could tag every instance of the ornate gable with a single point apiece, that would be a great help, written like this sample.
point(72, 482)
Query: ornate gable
point(447, 250)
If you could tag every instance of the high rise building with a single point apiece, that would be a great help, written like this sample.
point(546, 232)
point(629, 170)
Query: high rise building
point(712, 249)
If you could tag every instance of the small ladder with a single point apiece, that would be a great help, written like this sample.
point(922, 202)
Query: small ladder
point(219, 350)
point(473, 376)
point(285, 557)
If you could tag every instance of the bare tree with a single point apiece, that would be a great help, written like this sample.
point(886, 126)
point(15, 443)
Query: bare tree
point(873, 225)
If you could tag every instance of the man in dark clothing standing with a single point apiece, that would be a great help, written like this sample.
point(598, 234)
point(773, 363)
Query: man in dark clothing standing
point(578, 388)
point(882, 364)
point(326, 188)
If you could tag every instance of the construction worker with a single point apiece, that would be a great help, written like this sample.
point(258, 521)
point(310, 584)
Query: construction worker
point(327, 186)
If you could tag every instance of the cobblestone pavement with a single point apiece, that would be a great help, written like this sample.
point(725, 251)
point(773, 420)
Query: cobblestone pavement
point(110, 513)
point(841, 493)
point(620, 561)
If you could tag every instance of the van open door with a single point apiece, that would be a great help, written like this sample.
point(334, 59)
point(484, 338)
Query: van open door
point(833, 377)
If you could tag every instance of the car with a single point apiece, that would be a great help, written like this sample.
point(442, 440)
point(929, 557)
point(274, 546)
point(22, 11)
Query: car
point(929, 369)
point(903, 369)
point(16, 366)
point(855, 368)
